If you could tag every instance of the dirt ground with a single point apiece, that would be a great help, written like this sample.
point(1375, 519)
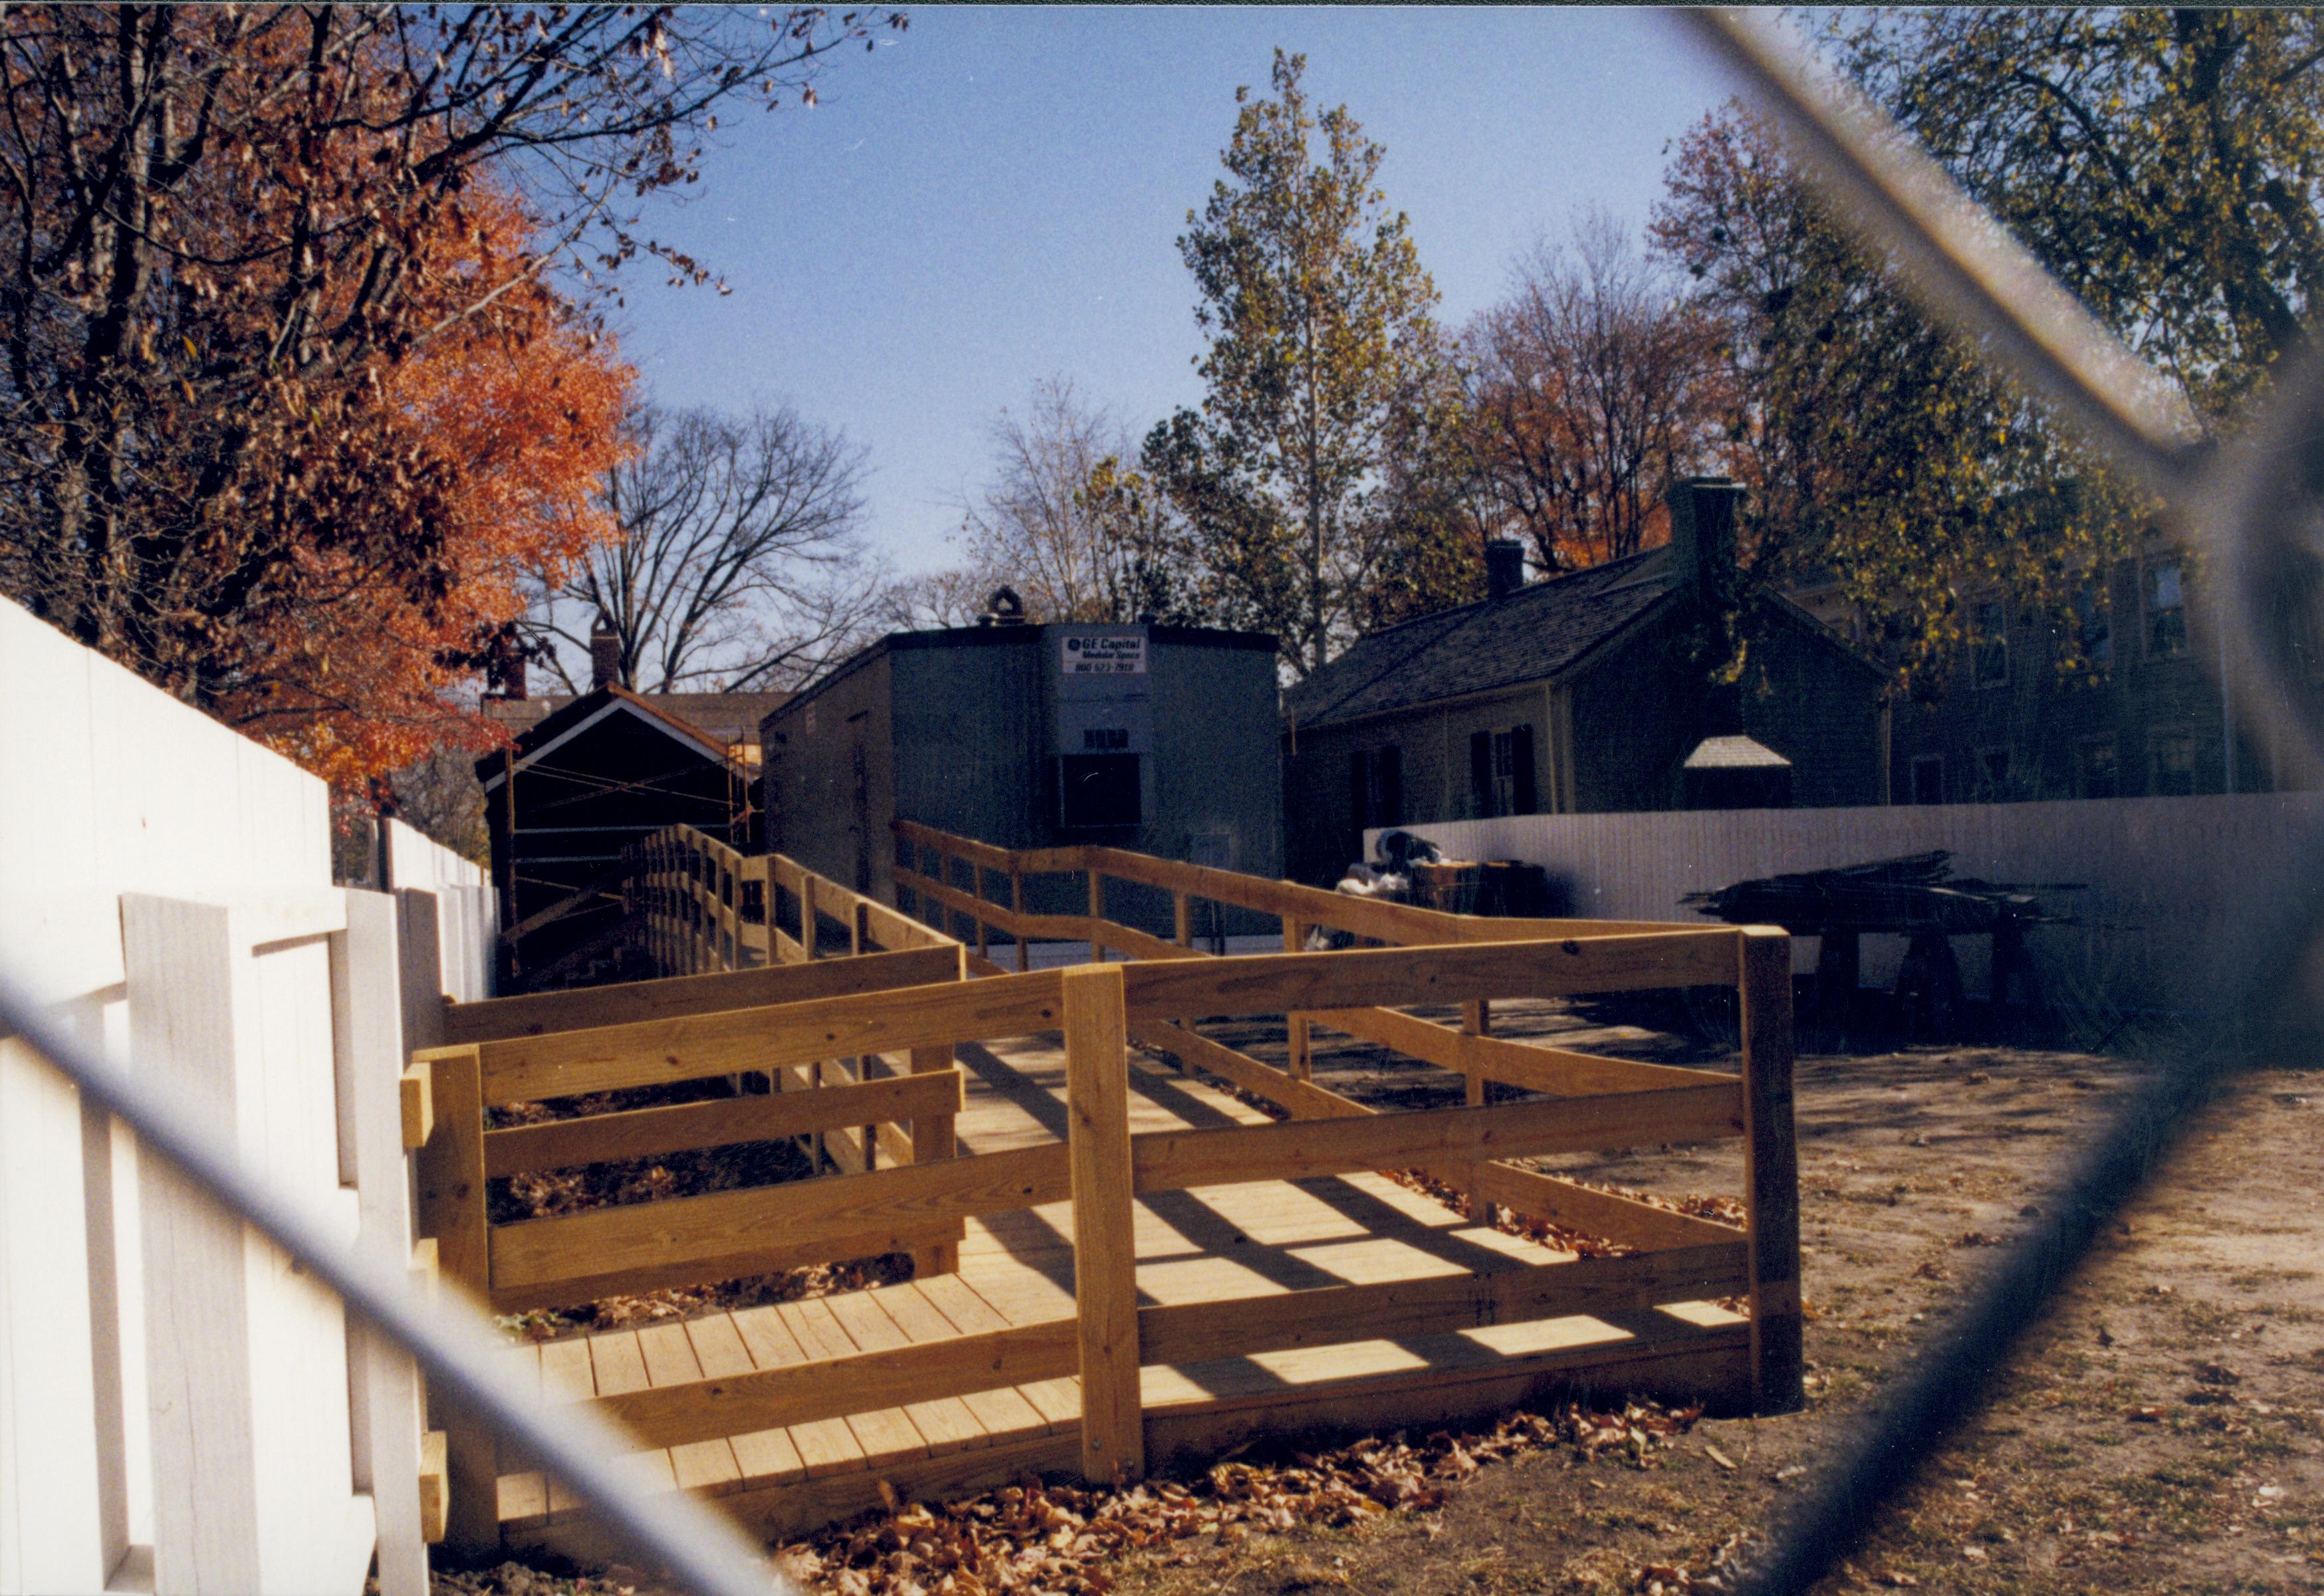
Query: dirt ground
point(2158, 1432)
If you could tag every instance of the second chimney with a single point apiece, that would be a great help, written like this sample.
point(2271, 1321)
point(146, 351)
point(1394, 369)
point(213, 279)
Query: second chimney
point(1505, 570)
point(1702, 536)
point(605, 656)
point(504, 675)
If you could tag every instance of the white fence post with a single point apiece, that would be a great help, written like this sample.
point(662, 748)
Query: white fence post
point(245, 1356)
point(63, 1517)
point(419, 967)
point(181, 960)
point(111, 1281)
point(384, 1388)
point(466, 906)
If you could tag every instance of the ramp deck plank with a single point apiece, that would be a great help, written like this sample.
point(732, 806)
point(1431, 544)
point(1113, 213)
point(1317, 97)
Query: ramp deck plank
point(1208, 1244)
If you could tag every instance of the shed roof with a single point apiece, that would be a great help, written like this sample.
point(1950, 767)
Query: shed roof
point(577, 715)
point(1025, 635)
point(1540, 631)
point(724, 717)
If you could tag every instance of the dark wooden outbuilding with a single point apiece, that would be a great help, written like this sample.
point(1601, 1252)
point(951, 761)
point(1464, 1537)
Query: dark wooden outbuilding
point(576, 788)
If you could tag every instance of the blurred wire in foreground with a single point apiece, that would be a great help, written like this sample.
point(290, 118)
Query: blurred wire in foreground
point(670, 1530)
point(2254, 506)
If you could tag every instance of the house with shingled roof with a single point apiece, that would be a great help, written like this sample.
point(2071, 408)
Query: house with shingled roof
point(1591, 691)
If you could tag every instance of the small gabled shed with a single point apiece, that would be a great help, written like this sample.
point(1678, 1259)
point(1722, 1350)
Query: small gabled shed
point(580, 786)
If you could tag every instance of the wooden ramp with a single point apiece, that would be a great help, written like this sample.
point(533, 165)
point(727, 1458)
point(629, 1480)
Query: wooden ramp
point(1217, 1251)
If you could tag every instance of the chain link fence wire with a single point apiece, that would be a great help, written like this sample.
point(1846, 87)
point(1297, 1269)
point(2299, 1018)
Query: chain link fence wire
point(699, 1547)
point(2252, 508)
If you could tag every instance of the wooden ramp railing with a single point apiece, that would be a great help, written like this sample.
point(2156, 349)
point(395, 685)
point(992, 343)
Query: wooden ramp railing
point(786, 1016)
point(702, 906)
point(1102, 1166)
point(702, 909)
point(952, 879)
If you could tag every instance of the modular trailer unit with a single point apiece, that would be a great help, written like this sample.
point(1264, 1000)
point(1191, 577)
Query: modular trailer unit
point(1162, 739)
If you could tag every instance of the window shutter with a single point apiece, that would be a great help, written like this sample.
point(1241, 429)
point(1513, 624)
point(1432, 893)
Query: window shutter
point(1481, 773)
point(1521, 770)
point(1390, 760)
point(1358, 791)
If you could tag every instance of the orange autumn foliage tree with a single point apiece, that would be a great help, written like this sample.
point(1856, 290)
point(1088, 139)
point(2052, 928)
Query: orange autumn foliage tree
point(288, 399)
point(516, 429)
point(1593, 388)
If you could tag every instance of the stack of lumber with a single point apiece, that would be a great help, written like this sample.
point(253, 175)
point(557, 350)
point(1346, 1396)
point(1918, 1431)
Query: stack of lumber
point(1916, 893)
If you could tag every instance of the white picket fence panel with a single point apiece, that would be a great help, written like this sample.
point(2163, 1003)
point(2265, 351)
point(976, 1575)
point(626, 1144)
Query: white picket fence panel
point(180, 1410)
point(466, 908)
point(2170, 885)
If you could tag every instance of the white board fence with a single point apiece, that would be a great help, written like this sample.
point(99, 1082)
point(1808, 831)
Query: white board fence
point(180, 1410)
point(467, 916)
point(2173, 888)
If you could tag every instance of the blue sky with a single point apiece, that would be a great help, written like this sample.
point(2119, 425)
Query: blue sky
point(995, 198)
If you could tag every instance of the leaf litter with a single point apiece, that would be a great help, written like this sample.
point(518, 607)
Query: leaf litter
point(1034, 1536)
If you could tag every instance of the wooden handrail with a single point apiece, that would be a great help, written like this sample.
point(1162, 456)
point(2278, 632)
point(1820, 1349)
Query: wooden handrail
point(666, 1236)
point(1400, 923)
point(691, 1047)
point(782, 1018)
point(648, 1133)
point(1168, 990)
point(1277, 984)
point(689, 888)
point(1557, 1072)
point(495, 1019)
point(677, 1235)
point(1297, 1150)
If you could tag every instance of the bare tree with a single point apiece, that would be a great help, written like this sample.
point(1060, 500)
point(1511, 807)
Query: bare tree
point(952, 596)
point(223, 229)
point(1049, 523)
point(738, 563)
point(1593, 386)
point(439, 798)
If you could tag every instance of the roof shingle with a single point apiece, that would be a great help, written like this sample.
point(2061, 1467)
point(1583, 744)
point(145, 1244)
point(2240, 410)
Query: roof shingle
point(1540, 631)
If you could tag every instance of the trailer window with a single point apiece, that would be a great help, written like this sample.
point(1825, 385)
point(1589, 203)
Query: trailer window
point(1098, 789)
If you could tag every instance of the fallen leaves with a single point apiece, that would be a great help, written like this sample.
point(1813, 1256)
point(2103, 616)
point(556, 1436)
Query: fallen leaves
point(1033, 1537)
point(1546, 1233)
point(550, 1194)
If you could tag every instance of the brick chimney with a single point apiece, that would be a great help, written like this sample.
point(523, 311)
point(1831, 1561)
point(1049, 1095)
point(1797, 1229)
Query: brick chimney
point(1702, 512)
point(504, 675)
point(604, 655)
point(1505, 564)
